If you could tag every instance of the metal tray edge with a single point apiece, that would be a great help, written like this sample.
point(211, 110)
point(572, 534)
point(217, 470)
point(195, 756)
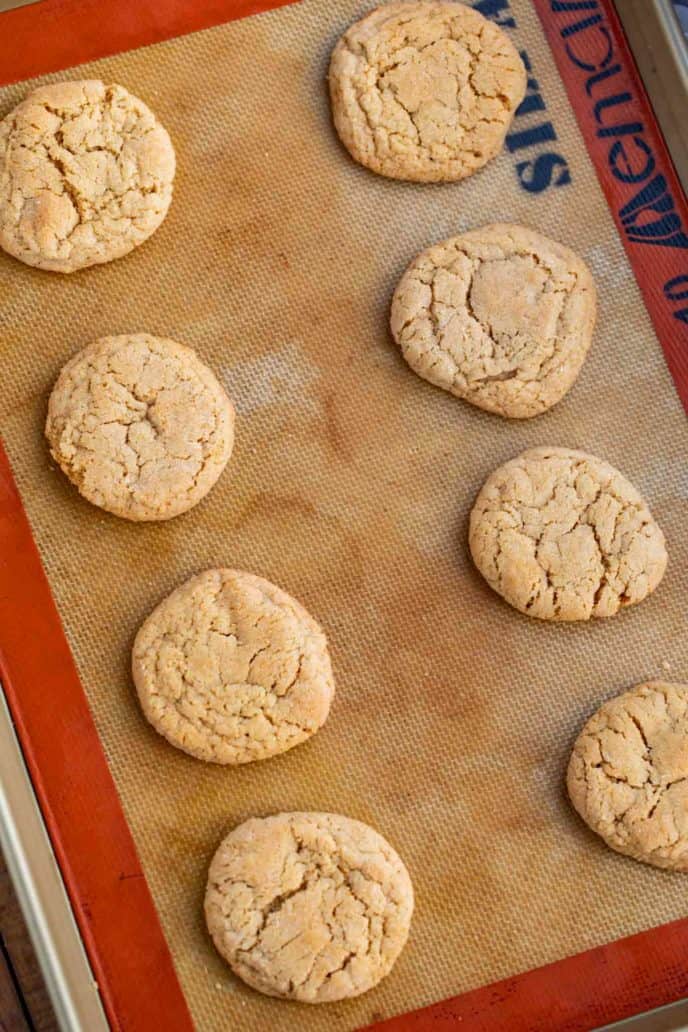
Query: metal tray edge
point(41, 892)
point(660, 49)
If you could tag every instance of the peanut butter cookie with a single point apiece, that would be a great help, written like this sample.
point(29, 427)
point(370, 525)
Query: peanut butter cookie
point(231, 669)
point(561, 535)
point(500, 316)
point(140, 425)
point(308, 906)
point(86, 175)
point(628, 774)
point(425, 91)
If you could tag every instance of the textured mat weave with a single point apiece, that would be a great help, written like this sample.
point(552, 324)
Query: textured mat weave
point(350, 487)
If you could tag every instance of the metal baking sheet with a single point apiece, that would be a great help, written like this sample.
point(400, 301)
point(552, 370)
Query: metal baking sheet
point(350, 486)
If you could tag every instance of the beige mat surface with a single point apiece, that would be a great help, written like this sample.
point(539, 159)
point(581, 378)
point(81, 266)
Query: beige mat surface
point(350, 486)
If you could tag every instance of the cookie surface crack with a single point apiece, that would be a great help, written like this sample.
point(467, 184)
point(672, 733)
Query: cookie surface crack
point(562, 535)
point(332, 906)
point(231, 669)
point(423, 91)
point(628, 774)
point(87, 175)
point(500, 316)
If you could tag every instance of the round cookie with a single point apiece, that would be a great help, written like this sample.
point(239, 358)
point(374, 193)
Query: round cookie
point(500, 316)
point(232, 669)
point(308, 906)
point(86, 175)
point(628, 774)
point(561, 535)
point(425, 91)
point(140, 425)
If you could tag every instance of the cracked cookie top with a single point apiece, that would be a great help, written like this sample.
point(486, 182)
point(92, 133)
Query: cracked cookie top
point(561, 535)
point(308, 906)
point(628, 774)
point(140, 425)
point(86, 175)
point(232, 669)
point(500, 316)
point(425, 91)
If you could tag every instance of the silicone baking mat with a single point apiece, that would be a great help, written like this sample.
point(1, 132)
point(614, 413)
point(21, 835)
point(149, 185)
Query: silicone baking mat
point(350, 486)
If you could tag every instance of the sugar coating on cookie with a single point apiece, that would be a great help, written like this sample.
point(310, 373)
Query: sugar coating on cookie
point(86, 175)
point(140, 425)
point(425, 91)
point(500, 316)
point(308, 906)
point(231, 669)
point(628, 774)
point(562, 535)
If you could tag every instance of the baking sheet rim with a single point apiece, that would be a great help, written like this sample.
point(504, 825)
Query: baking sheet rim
point(133, 29)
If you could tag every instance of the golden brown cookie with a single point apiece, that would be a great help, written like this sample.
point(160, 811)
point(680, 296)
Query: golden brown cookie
point(425, 91)
point(86, 175)
point(140, 425)
point(628, 774)
point(230, 669)
point(500, 316)
point(308, 906)
point(561, 535)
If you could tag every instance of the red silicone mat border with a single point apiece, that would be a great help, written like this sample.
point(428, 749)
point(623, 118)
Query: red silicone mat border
point(605, 984)
point(98, 860)
point(631, 158)
point(90, 836)
point(50, 35)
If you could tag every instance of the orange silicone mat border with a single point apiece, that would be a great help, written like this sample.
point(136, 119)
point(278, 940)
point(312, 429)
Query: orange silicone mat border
point(632, 161)
point(49, 35)
point(78, 798)
point(94, 848)
point(577, 994)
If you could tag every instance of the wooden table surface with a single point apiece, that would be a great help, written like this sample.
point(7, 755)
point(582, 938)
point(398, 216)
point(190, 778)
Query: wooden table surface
point(24, 1002)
